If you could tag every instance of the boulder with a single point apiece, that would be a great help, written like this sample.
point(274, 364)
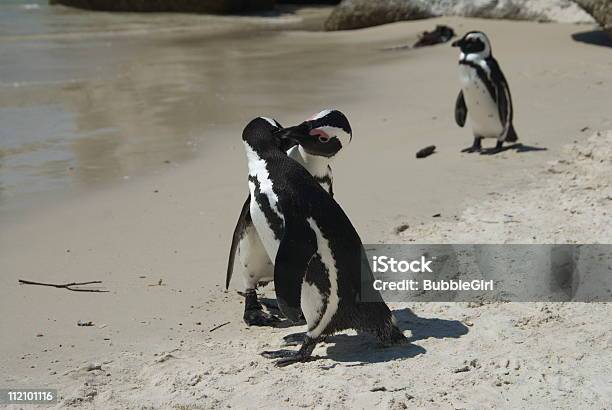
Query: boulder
point(601, 10)
point(364, 13)
point(352, 14)
point(182, 6)
point(561, 11)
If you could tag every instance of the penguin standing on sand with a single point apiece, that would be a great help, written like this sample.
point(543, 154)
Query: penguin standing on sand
point(315, 248)
point(316, 156)
point(485, 93)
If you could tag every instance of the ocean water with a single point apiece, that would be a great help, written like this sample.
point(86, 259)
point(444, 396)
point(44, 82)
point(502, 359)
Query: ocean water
point(53, 62)
point(90, 99)
point(21, 19)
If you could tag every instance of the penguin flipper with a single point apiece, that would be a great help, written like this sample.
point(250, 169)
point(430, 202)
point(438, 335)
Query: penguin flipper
point(504, 101)
point(243, 220)
point(504, 105)
point(460, 110)
point(292, 259)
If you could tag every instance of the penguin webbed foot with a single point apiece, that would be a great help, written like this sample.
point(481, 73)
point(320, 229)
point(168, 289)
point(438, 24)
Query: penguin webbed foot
point(294, 339)
point(257, 317)
point(253, 311)
point(278, 354)
point(476, 147)
point(287, 357)
point(499, 147)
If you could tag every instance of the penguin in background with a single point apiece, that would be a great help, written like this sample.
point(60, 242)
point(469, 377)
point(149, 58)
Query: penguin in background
point(485, 93)
point(315, 248)
point(316, 156)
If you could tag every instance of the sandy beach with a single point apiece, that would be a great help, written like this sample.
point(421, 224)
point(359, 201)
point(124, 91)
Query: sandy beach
point(158, 235)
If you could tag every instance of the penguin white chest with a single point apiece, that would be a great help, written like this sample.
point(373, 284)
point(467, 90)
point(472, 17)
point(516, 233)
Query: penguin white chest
point(265, 213)
point(254, 259)
point(482, 109)
point(266, 220)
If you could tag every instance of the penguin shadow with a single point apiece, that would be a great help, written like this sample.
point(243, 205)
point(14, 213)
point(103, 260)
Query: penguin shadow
point(518, 147)
point(594, 37)
point(365, 348)
point(425, 328)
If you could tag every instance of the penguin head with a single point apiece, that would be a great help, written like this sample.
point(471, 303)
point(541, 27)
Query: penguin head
point(324, 134)
point(260, 133)
point(474, 43)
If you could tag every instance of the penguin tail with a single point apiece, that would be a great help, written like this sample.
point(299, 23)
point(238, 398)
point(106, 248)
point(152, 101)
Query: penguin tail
point(376, 318)
point(391, 335)
point(387, 331)
point(511, 136)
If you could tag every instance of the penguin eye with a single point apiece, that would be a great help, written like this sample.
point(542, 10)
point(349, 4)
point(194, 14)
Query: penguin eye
point(321, 135)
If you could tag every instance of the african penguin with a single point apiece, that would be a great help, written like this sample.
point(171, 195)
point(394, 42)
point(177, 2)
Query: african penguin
point(316, 156)
point(315, 248)
point(485, 93)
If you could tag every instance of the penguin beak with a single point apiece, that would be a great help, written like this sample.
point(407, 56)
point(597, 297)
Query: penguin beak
point(457, 43)
point(299, 133)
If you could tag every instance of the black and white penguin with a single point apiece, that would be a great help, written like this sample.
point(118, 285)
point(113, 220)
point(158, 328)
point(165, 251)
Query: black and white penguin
point(485, 93)
point(316, 156)
point(315, 248)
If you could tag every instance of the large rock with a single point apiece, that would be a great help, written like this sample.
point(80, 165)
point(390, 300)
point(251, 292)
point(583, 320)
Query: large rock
point(562, 11)
point(601, 10)
point(351, 14)
point(184, 6)
point(363, 13)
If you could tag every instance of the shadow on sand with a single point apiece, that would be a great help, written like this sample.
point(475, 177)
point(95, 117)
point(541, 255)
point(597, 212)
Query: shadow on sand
point(364, 347)
point(518, 147)
point(594, 37)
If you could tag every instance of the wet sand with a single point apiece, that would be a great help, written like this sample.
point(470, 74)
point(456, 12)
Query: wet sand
point(176, 226)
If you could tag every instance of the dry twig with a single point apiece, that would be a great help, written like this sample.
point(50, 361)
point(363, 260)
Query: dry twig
point(218, 327)
point(68, 286)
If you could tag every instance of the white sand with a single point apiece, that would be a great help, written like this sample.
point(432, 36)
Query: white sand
point(567, 200)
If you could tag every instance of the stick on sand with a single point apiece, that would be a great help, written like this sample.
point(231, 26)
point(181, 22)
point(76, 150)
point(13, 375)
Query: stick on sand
point(65, 285)
point(218, 327)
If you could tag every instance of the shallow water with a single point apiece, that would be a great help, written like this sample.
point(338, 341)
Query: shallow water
point(89, 99)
